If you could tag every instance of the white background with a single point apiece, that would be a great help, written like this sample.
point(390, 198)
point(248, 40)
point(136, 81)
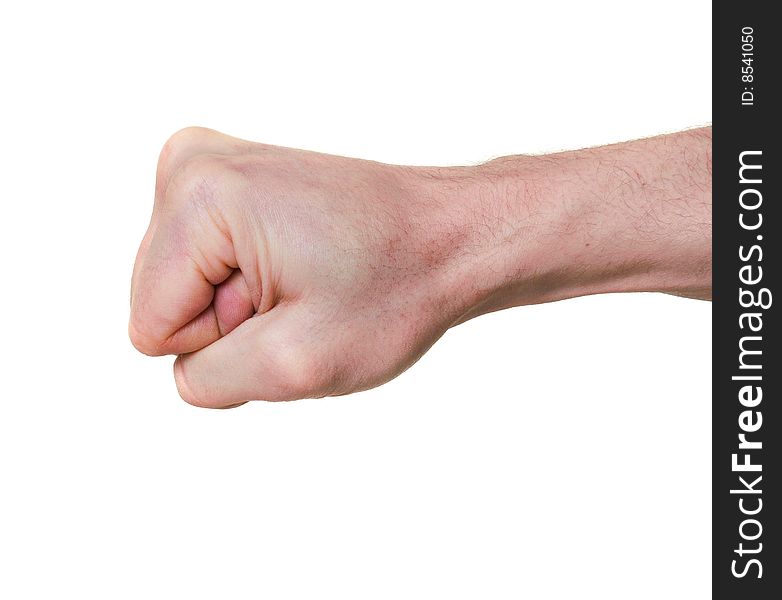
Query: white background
point(558, 451)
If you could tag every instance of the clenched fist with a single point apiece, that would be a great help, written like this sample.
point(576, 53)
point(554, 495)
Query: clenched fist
point(278, 274)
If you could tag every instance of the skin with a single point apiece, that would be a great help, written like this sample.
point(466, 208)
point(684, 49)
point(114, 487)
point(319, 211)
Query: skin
point(278, 274)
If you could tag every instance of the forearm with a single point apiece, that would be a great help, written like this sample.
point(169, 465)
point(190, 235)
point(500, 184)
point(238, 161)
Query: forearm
point(628, 217)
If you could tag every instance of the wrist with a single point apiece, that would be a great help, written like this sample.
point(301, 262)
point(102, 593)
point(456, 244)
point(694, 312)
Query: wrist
point(514, 241)
point(491, 228)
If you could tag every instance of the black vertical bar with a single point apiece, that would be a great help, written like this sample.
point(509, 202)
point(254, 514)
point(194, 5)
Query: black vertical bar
point(745, 102)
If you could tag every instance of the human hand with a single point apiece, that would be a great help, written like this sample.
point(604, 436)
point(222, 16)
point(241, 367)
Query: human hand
point(279, 274)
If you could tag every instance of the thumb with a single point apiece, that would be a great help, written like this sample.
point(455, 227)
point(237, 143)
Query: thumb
point(271, 356)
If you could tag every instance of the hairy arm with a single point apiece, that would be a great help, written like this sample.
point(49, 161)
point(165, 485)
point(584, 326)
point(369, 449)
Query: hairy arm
point(627, 217)
point(278, 274)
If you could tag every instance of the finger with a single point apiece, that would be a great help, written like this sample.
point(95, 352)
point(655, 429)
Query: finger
point(267, 357)
point(190, 252)
point(181, 147)
point(188, 143)
point(231, 305)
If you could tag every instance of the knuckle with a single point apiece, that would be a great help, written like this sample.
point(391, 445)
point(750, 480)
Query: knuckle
point(197, 180)
point(301, 372)
point(178, 146)
point(145, 341)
